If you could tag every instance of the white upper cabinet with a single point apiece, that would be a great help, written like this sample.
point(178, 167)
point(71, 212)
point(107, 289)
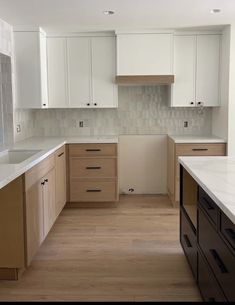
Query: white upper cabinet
point(57, 72)
point(79, 71)
point(144, 54)
point(31, 69)
point(208, 72)
point(185, 71)
point(196, 70)
point(104, 90)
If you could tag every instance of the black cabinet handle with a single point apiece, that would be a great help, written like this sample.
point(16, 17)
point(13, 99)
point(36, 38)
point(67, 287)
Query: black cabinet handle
point(188, 243)
point(46, 180)
point(43, 183)
point(208, 205)
point(95, 149)
point(191, 103)
point(95, 104)
point(200, 149)
point(88, 104)
point(231, 235)
point(93, 191)
point(218, 261)
point(93, 167)
point(60, 154)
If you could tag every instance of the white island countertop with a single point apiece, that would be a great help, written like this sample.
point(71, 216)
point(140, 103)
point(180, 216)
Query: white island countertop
point(187, 139)
point(216, 175)
point(47, 146)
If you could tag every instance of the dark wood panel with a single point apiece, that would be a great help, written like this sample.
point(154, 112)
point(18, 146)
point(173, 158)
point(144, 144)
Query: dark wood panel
point(208, 285)
point(188, 242)
point(208, 205)
point(220, 258)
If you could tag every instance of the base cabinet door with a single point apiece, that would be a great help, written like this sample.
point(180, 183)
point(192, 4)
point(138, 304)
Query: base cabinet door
point(207, 283)
point(49, 201)
point(34, 220)
point(60, 180)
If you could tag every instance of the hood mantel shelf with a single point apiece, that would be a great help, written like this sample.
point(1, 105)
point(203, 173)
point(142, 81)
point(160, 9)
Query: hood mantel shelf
point(144, 79)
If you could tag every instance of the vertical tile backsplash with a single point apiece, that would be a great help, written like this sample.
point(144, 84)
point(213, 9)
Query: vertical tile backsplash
point(142, 110)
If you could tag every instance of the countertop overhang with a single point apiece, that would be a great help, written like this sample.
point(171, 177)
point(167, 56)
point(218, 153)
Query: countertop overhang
point(216, 175)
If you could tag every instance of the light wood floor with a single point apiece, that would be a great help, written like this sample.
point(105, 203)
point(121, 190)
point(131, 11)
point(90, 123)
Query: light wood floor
point(126, 253)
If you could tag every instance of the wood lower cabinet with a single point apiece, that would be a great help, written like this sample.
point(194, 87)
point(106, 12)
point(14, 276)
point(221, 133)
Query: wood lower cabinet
point(93, 173)
point(175, 150)
point(60, 180)
point(34, 220)
point(212, 240)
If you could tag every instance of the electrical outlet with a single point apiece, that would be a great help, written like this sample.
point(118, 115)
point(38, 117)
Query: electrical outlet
point(185, 123)
point(18, 128)
point(81, 124)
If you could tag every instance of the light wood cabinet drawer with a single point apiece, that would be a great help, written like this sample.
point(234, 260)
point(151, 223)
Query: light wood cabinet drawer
point(93, 167)
point(201, 149)
point(91, 150)
point(86, 190)
point(38, 171)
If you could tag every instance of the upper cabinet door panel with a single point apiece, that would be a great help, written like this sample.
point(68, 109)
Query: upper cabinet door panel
point(208, 66)
point(183, 90)
point(144, 54)
point(79, 71)
point(57, 72)
point(103, 72)
point(43, 64)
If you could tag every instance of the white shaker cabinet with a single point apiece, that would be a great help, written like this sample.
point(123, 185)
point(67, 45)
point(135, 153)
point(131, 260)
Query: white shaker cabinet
point(196, 70)
point(144, 54)
point(79, 71)
point(57, 72)
point(208, 70)
point(104, 90)
point(31, 69)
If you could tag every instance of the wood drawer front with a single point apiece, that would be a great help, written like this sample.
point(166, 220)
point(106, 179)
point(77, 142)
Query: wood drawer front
point(95, 167)
point(188, 242)
point(38, 171)
point(207, 282)
point(90, 150)
point(227, 229)
point(218, 255)
point(201, 149)
point(91, 190)
point(208, 205)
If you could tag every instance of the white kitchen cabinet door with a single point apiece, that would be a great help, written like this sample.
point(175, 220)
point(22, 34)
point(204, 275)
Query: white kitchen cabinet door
point(104, 89)
point(208, 70)
point(79, 72)
point(144, 54)
point(183, 89)
point(57, 72)
point(30, 68)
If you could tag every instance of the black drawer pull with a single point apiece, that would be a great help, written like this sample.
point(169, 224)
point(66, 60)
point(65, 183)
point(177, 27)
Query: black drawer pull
point(218, 261)
point(93, 191)
point(93, 167)
point(209, 206)
point(94, 149)
point(188, 243)
point(200, 149)
point(60, 154)
point(231, 234)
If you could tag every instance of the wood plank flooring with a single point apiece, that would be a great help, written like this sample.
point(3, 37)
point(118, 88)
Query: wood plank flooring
point(126, 253)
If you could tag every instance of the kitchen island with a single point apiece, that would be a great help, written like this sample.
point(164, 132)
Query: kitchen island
point(207, 223)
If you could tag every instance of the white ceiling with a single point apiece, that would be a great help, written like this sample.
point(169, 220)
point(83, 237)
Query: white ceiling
point(87, 14)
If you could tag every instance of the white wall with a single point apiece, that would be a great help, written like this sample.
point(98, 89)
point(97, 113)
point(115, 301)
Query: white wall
point(142, 164)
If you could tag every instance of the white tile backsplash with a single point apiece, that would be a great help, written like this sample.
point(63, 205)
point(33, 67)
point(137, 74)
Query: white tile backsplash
point(142, 110)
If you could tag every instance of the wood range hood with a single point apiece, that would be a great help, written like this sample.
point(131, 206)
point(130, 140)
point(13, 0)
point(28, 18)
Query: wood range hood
point(144, 80)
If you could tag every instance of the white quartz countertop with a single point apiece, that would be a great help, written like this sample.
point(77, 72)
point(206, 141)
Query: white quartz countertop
point(46, 145)
point(216, 175)
point(196, 139)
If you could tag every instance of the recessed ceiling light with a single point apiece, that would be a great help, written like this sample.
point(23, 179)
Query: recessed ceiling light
point(215, 10)
point(108, 12)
